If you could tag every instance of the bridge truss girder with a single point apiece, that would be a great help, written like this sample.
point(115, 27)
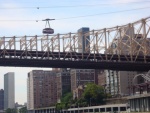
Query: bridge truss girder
point(129, 43)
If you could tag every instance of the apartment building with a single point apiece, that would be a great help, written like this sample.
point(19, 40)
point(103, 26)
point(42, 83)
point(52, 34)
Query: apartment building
point(81, 77)
point(41, 89)
point(63, 83)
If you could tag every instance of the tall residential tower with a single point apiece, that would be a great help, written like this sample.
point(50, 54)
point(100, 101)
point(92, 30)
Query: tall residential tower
point(41, 89)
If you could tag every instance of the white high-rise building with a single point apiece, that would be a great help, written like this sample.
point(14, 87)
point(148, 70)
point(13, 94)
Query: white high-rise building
point(9, 90)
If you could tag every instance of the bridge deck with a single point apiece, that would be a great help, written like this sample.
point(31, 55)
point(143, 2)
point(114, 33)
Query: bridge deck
point(73, 60)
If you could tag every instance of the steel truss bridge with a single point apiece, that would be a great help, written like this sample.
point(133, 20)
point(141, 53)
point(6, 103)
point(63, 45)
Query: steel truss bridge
point(125, 47)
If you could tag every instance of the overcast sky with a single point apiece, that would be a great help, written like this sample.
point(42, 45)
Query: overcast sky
point(12, 10)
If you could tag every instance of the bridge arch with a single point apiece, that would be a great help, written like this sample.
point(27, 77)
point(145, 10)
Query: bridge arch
point(145, 76)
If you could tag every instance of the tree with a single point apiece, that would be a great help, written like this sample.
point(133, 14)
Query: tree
point(81, 102)
point(9, 110)
point(66, 101)
point(58, 106)
point(23, 110)
point(94, 94)
point(67, 98)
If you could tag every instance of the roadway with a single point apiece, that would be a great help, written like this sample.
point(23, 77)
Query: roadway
point(21, 58)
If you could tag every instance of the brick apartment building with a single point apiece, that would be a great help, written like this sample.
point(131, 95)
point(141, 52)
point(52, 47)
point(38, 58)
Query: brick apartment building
point(41, 89)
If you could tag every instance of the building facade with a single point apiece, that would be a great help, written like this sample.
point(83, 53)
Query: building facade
point(1, 99)
point(63, 83)
point(9, 90)
point(119, 82)
point(41, 89)
point(81, 77)
point(101, 78)
point(83, 40)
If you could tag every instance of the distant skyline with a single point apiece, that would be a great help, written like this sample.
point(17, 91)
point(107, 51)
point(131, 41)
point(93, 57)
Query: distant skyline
point(23, 10)
point(20, 81)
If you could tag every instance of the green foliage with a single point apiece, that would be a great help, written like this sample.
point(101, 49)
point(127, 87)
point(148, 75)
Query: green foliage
point(9, 110)
point(23, 110)
point(94, 94)
point(66, 101)
point(60, 106)
point(67, 98)
point(81, 102)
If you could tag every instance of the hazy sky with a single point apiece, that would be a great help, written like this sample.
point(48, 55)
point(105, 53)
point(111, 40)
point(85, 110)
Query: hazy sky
point(60, 9)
